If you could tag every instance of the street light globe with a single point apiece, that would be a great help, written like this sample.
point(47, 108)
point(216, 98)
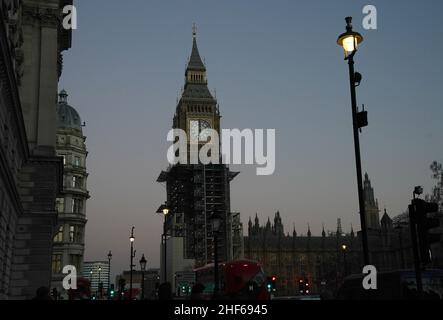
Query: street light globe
point(344, 247)
point(350, 39)
point(165, 211)
point(132, 239)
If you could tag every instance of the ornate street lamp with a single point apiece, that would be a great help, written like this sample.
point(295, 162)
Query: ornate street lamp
point(143, 268)
point(350, 41)
point(100, 285)
point(109, 274)
point(131, 239)
point(164, 209)
point(344, 248)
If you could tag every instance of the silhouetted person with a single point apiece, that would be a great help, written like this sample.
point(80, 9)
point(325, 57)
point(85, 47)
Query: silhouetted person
point(42, 293)
point(197, 291)
point(165, 291)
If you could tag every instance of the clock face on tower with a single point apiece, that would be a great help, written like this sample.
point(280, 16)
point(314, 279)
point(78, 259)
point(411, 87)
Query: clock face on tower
point(198, 129)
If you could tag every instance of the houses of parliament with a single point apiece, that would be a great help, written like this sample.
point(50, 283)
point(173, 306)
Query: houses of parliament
point(324, 261)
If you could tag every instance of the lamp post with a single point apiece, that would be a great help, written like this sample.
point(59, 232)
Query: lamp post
point(143, 268)
point(109, 274)
point(344, 249)
point(349, 41)
point(131, 239)
point(165, 214)
point(164, 209)
point(216, 221)
point(100, 285)
point(90, 278)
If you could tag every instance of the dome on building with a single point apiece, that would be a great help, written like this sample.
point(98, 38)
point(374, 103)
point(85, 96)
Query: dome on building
point(67, 116)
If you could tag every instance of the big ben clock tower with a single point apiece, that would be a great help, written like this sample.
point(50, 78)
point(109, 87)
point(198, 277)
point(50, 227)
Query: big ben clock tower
point(197, 109)
point(195, 192)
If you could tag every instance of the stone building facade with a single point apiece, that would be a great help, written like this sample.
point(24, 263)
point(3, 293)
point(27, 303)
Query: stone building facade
point(69, 240)
point(31, 45)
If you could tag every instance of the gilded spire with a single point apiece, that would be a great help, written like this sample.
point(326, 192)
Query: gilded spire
point(195, 62)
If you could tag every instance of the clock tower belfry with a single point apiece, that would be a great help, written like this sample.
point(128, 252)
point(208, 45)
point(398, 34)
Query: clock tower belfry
point(197, 109)
point(197, 193)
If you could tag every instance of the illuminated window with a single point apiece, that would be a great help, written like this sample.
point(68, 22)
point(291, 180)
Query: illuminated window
point(60, 204)
point(56, 263)
point(75, 235)
point(77, 182)
point(77, 206)
point(59, 236)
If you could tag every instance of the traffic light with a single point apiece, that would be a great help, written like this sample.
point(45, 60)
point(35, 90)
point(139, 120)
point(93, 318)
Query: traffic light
point(426, 218)
point(272, 284)
point(112, 291)
point(306, 287)
point(121, 287)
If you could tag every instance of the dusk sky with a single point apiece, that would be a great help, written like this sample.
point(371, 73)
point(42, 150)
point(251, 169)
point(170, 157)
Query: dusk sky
point(274, 64)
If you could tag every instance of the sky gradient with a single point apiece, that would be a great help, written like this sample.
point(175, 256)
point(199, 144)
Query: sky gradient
point(274, 64)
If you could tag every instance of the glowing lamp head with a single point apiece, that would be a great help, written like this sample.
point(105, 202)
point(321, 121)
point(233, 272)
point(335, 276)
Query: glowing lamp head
point(344, 247)
point(349, 40)
point(165, 211)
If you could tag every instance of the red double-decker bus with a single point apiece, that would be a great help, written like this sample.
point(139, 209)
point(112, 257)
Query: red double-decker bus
point(83, 291)
point(239, 279)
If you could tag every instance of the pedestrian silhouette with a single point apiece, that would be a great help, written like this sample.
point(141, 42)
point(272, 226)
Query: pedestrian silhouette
point(197, 291)
point(42, 293)
point(164, 291)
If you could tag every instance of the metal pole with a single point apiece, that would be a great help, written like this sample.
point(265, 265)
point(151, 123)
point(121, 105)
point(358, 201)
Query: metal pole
point(131, 266)
point(109, 278)
point(165, 251)
point(361, 200)
point(216, 284)
point(143, 285)
point(130, 274)
point(417, 264)
point(100, 281)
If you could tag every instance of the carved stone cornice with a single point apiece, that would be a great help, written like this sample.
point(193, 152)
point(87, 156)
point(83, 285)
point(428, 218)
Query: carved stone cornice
point(46, 17)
